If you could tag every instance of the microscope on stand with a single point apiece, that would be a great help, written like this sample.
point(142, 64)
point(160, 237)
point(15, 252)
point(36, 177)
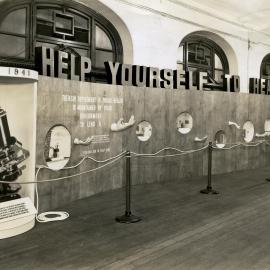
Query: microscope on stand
point(11, 156)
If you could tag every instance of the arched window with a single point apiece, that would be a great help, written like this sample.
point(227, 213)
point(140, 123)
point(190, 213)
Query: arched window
point(197, 53)
point(265, 67)
point(62, 25)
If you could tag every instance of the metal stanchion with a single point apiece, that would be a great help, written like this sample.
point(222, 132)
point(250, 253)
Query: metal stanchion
point(128, 217)
point(267, 179)
point(209, 189)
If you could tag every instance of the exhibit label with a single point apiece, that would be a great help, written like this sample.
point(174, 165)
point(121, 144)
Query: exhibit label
point(15, 209)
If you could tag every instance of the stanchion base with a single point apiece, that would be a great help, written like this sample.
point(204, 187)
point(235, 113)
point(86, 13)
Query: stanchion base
point(128, 218)
point(209, 191)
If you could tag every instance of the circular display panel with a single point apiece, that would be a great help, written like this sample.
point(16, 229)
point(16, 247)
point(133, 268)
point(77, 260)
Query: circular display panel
point(57, 148)
point(220, 139)
point(144, 131)
point(249, 130)
point(184, 123)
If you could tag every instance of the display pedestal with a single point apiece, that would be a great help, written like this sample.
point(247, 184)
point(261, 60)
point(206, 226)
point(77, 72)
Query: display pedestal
point(19, 226)
point(16, 217)
point(18, 96)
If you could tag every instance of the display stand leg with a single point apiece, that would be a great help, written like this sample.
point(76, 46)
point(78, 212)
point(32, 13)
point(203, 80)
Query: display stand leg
point(209, 189)
point(128, 217)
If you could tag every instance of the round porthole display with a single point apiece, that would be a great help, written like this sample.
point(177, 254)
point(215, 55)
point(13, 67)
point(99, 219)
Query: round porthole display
point(248, 128)
point(144, 131)
point(220, 139)
point(184, 123)
point(57, 148)
point(267, 127)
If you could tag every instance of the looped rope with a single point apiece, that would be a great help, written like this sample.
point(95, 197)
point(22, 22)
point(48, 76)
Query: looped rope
point(111, 160)
point(58, 215)
point(84, 159)
point(234, 145)
point(155, 155)
point(61, 215)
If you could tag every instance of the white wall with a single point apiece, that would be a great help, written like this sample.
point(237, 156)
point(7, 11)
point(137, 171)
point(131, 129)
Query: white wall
point(19, 101)
point(158, 26)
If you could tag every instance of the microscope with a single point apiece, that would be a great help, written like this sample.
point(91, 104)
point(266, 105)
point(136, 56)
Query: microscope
point(11, 156)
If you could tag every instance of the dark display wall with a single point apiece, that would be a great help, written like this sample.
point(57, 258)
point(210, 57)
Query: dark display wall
point(87, 111)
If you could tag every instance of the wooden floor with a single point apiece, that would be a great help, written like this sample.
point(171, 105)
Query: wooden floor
point(181, 229)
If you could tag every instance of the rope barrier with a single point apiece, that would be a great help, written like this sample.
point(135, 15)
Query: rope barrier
point(251, 143)
point(82, 160)
point(163, 149)
point(155, 155)
point(211, 147)
point(127, 217)
point(226, 148)
point(64, 177)
point(132, 154)
point(62, 215)
point(234, 145)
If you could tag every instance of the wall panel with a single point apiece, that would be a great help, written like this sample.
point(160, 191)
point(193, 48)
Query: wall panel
point(211, 111)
